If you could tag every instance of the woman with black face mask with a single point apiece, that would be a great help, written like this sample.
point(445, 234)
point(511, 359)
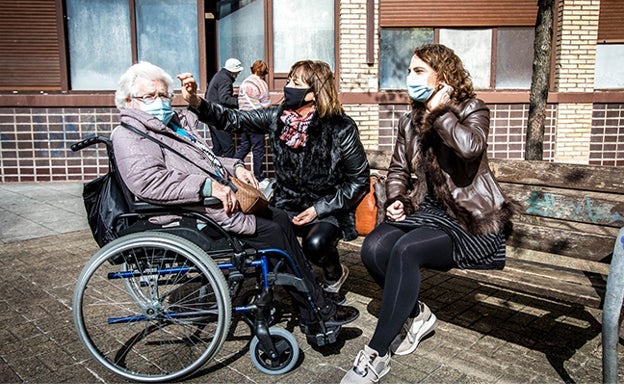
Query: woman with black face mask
point(320, 164)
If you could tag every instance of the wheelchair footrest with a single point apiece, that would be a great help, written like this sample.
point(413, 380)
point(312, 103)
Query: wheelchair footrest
point(319, 338)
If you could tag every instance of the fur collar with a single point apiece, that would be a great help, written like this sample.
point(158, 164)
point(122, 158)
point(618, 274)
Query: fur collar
point(428, 170)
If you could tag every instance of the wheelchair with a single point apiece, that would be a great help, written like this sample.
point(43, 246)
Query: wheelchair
point(156, 303)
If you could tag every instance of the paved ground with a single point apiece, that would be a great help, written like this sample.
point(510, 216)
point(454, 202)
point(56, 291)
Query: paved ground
point(485, 335)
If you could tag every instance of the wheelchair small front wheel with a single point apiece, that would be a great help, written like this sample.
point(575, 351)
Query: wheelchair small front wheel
point(287, 352)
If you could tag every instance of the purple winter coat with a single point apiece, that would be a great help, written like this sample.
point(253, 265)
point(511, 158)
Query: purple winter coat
point(157, 175)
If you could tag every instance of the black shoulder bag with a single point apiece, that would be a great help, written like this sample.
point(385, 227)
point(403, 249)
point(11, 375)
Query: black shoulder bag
point(104, 197)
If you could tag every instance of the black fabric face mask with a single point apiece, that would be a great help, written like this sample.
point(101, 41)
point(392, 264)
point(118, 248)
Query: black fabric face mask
point(294, 97)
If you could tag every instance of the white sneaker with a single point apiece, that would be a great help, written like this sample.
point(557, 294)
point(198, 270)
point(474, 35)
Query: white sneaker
point(413, 332)
point(368, 367)
point(335, 287)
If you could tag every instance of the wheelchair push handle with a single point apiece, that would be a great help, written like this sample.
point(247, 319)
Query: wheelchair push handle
point(90, 142)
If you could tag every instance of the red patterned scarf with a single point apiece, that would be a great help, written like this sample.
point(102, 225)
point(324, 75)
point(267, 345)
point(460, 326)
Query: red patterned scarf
point(295, 132)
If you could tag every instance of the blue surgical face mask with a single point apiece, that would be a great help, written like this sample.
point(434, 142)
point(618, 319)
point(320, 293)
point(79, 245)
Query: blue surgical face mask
point(159, 108)
point(417, 91)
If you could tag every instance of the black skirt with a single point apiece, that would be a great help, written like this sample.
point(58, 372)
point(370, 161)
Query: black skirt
point(470, 251)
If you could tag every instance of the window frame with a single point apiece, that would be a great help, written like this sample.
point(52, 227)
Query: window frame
point(278, 80)
point(493, 55)
point(275, 80)
point(59, 82)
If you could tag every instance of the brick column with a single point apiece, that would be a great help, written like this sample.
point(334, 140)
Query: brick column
point(355, 74)
point(576, 51)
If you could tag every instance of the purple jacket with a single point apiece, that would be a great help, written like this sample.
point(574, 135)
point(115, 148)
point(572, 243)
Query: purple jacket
point(157, 175)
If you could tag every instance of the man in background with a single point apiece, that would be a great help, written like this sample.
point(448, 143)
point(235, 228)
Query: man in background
point(221, 90)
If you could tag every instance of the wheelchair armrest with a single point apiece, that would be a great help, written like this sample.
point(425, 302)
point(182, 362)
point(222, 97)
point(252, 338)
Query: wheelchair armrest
point(140, 206)
point(211, 201)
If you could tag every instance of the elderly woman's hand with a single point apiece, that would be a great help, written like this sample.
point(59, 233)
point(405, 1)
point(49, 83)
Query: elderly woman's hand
point(226, 196)
point(246, 176)
point(189, 89)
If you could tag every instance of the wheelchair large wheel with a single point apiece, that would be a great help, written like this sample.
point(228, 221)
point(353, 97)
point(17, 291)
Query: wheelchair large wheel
point(152, 307)
point(287, 352)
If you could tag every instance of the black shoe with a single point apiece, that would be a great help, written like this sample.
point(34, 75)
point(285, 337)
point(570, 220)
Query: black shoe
point(336, 298)
point(343, 315)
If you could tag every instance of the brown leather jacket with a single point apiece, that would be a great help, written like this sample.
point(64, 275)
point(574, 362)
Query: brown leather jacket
point(445, 152)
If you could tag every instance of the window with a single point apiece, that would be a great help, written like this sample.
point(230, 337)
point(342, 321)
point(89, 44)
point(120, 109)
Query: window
point(474, 47)
point(302, 30)
point(167, 34)
point(512, 57)
point(609, 69)
point(396, 50)
point(246, 44)
point(294, 30)
point(100, 41)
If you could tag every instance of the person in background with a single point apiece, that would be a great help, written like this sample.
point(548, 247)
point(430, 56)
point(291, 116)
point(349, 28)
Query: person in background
point(253, 94)
point(221, 90)
point(444, 208)
point(321, 168)
point(160, 176)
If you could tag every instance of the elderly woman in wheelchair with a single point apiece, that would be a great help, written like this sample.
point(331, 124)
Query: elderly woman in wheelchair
point(155, 304)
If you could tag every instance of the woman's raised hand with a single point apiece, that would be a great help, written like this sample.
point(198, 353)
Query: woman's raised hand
point(442, 97)
point(189, 89)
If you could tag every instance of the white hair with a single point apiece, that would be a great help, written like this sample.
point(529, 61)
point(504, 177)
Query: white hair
point(126, 87)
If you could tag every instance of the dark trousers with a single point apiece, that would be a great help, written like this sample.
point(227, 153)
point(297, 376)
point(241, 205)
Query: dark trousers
point(222, 143)
point(255, 142)
point(274, 230)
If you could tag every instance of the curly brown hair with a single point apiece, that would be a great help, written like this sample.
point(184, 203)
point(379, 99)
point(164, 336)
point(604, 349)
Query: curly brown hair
point(449, 68)
point(320, 77)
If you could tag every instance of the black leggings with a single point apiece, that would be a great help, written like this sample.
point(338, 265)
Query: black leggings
point(320, 246)
point(393, 257)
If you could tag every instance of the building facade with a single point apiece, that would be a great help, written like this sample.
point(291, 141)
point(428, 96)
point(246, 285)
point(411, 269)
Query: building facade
point(61, 60)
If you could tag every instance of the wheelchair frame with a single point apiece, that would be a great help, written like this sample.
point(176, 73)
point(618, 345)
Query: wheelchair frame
point(155, 304)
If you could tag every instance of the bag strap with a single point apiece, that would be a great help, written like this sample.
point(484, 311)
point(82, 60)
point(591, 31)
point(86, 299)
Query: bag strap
point(178, 153)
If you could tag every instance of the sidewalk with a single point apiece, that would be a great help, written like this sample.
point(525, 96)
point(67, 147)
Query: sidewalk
point(485, 335)
point(33, 210)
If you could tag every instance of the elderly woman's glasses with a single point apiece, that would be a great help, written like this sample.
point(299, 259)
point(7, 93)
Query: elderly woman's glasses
point(149, 99)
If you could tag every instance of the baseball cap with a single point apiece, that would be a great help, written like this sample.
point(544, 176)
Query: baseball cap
point(233, 65)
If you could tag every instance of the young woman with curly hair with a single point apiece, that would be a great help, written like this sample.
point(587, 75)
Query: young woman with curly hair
point(444, 208)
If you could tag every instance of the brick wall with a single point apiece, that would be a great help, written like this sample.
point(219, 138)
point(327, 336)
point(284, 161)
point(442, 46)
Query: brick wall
point(607, 136)
point(355, 74)
point(507, 137)
point(576, 54)
point(34, 143)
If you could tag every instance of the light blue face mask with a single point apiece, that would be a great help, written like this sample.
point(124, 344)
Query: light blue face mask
point(159, 108)
point(418, 92)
